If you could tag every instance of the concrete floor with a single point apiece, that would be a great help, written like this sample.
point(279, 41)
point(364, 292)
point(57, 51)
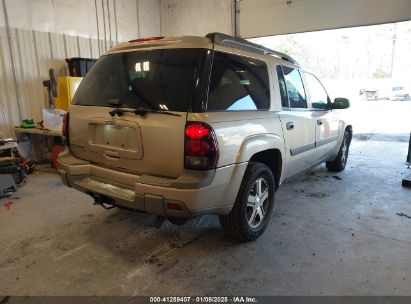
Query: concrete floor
point(326, 237)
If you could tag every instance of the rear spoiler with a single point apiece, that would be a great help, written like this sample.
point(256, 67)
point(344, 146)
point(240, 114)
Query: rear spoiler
point(242, 44)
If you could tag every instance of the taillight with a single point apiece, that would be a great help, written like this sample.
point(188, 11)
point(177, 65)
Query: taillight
point(65, 128)
point(200, 146)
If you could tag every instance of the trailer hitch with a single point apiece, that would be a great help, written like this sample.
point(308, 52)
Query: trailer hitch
point(104, 201)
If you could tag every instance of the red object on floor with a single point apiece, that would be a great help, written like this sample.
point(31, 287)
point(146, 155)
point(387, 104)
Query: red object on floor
point(55, 151)
point(8, 205)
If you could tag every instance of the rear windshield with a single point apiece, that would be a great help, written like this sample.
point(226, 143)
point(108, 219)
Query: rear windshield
point(163, 79)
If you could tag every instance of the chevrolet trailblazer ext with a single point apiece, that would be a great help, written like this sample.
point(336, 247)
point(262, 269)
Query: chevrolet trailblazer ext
point(184, 126)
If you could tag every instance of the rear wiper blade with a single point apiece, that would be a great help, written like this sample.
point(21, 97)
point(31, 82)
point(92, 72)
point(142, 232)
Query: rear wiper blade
point(120, 111)
point(139, 111)
point(143, 111)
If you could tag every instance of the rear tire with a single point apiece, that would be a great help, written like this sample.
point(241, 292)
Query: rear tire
point(340, 161)
point(253, 206)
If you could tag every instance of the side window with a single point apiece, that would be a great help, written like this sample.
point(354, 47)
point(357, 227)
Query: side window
point(319, 97)
point(295, 88)
point(283, 90)
point(238, 83)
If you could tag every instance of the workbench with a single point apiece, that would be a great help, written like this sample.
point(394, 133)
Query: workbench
point(35, 144)
point(37, 131)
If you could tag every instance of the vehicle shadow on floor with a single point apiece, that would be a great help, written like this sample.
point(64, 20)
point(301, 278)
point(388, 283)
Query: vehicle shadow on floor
point(135, 238)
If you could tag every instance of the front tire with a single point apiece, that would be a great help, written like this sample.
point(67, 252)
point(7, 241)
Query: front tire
point(340, 161)
point(253, 206)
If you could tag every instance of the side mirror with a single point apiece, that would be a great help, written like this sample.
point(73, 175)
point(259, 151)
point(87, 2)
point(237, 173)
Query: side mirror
point(340, 103)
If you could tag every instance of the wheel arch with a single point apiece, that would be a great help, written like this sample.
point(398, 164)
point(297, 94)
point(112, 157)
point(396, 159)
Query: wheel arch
point(264, 148)
point(272, 158)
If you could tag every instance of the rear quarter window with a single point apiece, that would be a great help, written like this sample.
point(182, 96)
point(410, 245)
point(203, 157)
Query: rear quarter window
point(238, 83)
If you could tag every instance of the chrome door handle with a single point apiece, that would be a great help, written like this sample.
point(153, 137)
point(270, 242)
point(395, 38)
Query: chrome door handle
point(289, 125)
point(319, 122)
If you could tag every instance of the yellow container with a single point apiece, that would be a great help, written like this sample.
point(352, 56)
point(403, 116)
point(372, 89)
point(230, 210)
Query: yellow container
point(67, 86)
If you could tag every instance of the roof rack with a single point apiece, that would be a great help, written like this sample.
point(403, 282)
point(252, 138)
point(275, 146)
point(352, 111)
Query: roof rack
point(239, 43)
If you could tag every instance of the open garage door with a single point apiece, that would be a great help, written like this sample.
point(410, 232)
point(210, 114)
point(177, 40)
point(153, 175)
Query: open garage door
point(273, 17)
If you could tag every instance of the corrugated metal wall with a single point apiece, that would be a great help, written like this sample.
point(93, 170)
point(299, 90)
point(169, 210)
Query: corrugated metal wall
point(23, 69)
point(195, 17)
point(36, 35)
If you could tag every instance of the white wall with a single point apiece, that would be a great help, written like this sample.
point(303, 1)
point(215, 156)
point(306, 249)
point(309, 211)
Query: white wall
point(74, 17)
point(40, 34)
point(195, 17)
point(149, 18)
point(256, 18)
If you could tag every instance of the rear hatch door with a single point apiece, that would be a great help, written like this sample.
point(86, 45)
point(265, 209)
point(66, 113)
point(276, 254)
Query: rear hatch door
point(161, 85)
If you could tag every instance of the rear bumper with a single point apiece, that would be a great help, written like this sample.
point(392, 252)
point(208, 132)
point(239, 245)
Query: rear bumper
point(207, 192)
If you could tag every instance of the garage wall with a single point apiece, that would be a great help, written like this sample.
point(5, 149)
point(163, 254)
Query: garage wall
point(148, 18)
point(195, 17)
point(36, 35)
point(258, 18)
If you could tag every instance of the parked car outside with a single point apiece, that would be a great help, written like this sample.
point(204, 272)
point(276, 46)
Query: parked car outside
point(369, 93)
point(399, 93)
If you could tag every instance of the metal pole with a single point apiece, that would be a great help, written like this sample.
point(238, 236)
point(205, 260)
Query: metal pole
point(12, 60)
point(234, 18)
point(409, 152)
point(115, 21)
point(104, 26)
point(109, 22)
point(98, 30)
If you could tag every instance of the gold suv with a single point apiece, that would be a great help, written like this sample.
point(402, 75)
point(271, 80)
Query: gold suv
point(185, 126)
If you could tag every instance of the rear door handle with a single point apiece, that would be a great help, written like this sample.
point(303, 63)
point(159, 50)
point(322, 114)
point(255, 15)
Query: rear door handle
point(319, 122)
point(289, 125)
